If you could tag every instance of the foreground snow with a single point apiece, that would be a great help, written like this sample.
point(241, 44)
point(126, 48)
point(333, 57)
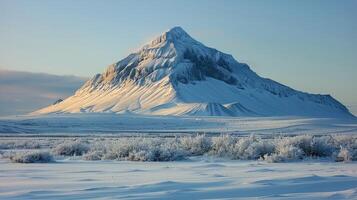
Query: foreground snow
point(199, 167)
point(234, 165)
point(203, 178)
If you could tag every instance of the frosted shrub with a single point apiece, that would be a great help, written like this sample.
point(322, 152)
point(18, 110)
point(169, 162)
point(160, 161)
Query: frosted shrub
point(289, 149)
point(302, 141)
point(252, 148)
point(93, 155)
point(169, 152)
point(310, 145)
point(344, 155)
point(345, 140)
point(117, 150)
point(156, 153)
point(241, 146)
point(279, 149)
point(353, 152)
point(197, 145)
point(141, 155)
point(222, 146)
point(98, 149)
point(321, 147)
point(285, 153)
point(32, 157)
point(165, 151)
point(145, 149)
point(349, 143)
point(257, 150)
point(142, 150)
point(71, 148)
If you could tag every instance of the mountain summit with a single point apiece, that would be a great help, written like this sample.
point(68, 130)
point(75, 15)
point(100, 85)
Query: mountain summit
point(176, 75)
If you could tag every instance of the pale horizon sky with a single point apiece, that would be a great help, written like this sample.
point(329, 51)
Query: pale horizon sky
point(307, 45)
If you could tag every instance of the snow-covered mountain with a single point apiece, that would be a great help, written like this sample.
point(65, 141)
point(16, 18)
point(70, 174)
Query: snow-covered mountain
point(176, 75)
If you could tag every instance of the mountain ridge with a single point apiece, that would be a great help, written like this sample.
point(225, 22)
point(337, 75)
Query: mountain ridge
point(175, 74)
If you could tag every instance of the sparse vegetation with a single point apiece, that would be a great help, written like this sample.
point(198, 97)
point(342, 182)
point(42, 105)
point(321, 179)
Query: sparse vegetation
point(71, 148)
point(32, 157)
point(274, 149)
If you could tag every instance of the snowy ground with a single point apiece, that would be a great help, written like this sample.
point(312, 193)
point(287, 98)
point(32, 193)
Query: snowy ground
point(202, 178)
point(130, 123)
point(306, 167)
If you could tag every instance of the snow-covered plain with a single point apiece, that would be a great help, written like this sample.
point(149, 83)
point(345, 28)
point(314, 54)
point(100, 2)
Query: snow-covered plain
point(82, 155)
point(195, 167)
point(129, 124)
point(193, 179)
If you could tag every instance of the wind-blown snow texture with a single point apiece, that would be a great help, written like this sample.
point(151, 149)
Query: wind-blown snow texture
point(177, 75)
point(207, 179)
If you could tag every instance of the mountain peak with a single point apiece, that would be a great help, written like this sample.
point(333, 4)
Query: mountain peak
point(176, 32)
point(173, 35)
point(177, 75)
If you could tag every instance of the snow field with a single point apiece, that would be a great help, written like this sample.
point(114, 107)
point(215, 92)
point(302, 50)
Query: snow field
point(204, 178)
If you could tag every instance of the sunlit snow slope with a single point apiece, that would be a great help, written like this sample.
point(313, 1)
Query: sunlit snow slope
point(177, 75)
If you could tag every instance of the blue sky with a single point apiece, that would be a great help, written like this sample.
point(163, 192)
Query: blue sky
point(308, 45)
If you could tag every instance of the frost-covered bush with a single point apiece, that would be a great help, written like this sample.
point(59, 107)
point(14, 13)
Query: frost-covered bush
point(310, 146)
point(271, 149)
point(344, 155)
point(136, 149)
point(322, 146)
point(93, 155)
point(245, 148)
point(222, 146)
point(98, 149)
point(349, 143)
point(32, 157)
point(120, 149)
point(252, 148)
point(345, 140)
point(197, 145)
point(71, 148)
point(144, 149)
point(302, 142)
point(285, 153)
point(162, 152)
point(170, 151)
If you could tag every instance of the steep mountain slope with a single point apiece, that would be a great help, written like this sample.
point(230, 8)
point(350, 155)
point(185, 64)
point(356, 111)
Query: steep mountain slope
point(177, 75)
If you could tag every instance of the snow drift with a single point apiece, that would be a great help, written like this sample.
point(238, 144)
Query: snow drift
point(176, 75)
